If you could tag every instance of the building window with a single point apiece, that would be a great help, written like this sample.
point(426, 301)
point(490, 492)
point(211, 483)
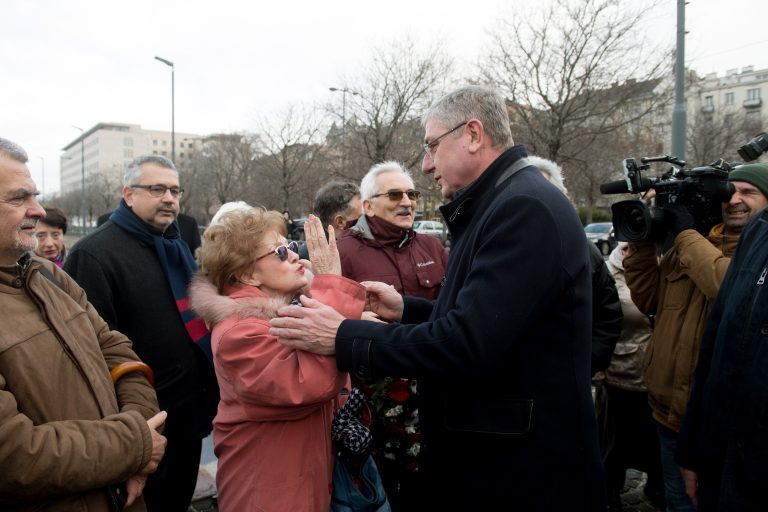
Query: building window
point(164, 153)
point(128, 142)
point(181, 155)
point(154, 152)
point(753, 94)
point(127, 153)
point(154, 143)
point(181, 144)
point(709, 101)
point(729, 98)
point(165, 143)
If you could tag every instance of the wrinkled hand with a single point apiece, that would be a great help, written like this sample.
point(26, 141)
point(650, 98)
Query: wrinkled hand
point(158, 442)
point(677, 218)
point(691, 479)
point(323, 253)
point(383, 300)
point(135, 487)
point(312, 327)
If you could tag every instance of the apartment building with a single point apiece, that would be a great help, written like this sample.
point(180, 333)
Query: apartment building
point(101, 153)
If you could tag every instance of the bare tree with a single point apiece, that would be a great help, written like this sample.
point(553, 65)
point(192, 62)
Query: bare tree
point(382, 116)
point(579, 72)
point(713, 135)
point(291, 154)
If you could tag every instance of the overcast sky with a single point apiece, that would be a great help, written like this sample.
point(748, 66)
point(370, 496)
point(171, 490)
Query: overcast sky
point(80, 62)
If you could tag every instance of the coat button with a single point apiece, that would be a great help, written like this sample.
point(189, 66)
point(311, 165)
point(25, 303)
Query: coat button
point(764, 330)
point(17, 282)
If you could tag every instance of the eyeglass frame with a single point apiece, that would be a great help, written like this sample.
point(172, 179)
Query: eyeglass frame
point(148, 188)
point(431, 146)
point(412, 194)
point(292, 246)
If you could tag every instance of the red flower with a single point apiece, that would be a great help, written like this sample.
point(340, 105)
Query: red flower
point(401, 390)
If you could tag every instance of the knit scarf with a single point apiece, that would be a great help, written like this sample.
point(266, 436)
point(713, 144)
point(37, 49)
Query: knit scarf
point(178, 266)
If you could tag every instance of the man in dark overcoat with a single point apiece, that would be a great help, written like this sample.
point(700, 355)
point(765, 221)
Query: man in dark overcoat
point(503, 354)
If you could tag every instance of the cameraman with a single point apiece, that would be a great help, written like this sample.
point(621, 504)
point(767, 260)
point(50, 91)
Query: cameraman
point(679, 289)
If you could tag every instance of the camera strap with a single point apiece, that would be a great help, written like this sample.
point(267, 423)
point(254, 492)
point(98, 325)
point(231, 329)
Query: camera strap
point(520, 164)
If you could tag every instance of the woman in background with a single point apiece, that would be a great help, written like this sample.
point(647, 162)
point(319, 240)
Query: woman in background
point(50, 233)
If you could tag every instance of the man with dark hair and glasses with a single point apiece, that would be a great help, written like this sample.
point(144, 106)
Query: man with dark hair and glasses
point(382, 246)
point(135, 270)
point(503, 354)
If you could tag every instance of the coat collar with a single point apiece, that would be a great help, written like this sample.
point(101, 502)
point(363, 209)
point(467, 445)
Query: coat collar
point(469, 199)
point(383, 232)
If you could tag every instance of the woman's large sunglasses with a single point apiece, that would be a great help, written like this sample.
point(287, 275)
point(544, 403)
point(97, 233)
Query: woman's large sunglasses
point(282, 251)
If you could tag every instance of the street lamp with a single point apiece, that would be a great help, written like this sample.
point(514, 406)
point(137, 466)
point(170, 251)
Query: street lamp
point(173, 112)
point(82, 175)
point(42, 176)
point(343, 92)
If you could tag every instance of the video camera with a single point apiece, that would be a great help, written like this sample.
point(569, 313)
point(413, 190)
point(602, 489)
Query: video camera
point(701, 190)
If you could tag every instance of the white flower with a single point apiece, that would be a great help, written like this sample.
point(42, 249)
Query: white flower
point(410, 430)
point(414, 450)
point(395, 411)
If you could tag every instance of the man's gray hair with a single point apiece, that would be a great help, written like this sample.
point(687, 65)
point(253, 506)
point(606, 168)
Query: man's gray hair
point(552, 169)
point(368, 187)
point(132, 172)
point(13, 151)
point(474, 102)
point(334, 198)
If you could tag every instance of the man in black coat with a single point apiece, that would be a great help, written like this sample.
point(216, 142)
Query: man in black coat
point(503, 355)
point(135, 270)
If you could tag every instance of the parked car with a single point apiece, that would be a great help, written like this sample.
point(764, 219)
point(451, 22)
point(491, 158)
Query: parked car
point(432, 227)
point(601, 234)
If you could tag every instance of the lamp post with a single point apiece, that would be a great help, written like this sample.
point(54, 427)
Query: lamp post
point(82, 176)
point(343, 92)
point(173, 112)
point(42, 177)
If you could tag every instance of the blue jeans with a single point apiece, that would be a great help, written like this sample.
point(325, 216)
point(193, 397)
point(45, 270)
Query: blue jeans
point(674, 486)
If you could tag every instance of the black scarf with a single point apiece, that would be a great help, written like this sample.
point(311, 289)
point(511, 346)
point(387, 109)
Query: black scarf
point(178, 265)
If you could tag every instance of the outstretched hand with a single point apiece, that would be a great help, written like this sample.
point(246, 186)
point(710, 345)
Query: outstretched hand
point(322, 253)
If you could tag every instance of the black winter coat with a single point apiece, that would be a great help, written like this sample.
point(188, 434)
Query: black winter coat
point(503, 354)
point(125, 283)
point(725, 429)
point(606, 311)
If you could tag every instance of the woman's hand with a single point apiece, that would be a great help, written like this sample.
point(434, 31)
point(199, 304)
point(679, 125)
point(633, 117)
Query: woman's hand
point(322, 253)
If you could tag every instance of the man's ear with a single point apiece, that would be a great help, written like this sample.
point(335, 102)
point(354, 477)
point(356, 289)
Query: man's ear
point(128, 195)
point(339, 222)
point(476, 132)
point(368, 208)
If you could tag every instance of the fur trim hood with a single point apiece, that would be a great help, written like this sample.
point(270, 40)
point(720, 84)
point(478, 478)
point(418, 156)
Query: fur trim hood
point(214, 307)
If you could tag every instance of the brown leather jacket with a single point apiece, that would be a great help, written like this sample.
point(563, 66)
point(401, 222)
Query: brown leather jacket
point(66, 432)
point(679, 290)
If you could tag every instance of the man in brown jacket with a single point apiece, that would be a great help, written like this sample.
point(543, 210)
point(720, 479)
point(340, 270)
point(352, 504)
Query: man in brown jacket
point(680, 290)
point(70, 439)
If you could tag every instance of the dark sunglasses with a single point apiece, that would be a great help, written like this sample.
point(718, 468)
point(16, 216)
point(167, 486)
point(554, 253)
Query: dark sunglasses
point(282, 251)
point(397, 195)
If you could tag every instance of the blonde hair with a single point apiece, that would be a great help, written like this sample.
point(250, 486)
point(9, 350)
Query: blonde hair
point(229, 245)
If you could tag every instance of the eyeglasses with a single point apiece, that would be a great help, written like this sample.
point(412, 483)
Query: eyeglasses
point(159, 190)
point(397, 195)
point(282, 251)
point(431, 147)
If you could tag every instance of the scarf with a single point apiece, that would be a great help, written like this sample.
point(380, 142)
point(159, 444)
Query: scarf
point(178, 266)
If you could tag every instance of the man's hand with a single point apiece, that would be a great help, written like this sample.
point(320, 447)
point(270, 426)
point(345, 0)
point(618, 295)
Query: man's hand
point(383, 300)
point(691, 479)
point(677, 218)
point(312, 328)
point(323, 253)
point(135, 487)
point(158, 442)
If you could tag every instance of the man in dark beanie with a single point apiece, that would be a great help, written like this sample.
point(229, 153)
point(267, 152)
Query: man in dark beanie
point(680, 290)
point(723, 444)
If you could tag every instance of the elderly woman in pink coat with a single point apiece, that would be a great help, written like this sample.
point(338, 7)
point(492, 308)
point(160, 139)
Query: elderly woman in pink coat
point(272, 432)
